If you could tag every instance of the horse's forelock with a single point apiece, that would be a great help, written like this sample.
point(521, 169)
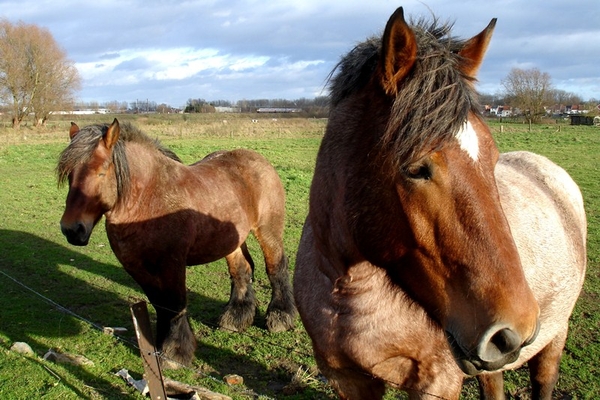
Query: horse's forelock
point(79, 150)
point(433, 102)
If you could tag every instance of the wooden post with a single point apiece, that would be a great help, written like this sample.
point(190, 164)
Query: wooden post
point(143, 331)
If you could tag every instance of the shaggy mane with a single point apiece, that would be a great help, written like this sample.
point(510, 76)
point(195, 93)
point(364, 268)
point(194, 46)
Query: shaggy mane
point(83, 144)
point(433, 101)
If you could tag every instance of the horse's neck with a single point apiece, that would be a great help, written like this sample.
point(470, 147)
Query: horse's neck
point(144, 165)
point(335, 168)
point(149, 172)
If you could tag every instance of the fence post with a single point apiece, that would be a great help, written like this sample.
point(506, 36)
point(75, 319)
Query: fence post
point(143, 331)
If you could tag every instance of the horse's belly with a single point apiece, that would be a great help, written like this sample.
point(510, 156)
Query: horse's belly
point(185, 237)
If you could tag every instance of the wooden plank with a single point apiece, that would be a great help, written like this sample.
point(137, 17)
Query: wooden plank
point(175, 388)
point(143, 331)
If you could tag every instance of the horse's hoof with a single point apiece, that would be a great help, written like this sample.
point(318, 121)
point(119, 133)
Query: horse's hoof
point(227, 327)
point(176, 360)
point(236, 320)
point(170, 364)
point(279, 321)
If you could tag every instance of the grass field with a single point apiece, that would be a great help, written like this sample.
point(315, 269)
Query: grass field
point(40, 270)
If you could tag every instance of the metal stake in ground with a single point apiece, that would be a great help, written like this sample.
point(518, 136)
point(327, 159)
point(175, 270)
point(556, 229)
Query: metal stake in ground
point(141, 321)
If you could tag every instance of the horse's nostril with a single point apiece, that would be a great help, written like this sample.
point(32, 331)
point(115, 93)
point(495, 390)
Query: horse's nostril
point(73, 229)
point(499, 346)
point(506, 341)
point(80, 228)
point(77, 233)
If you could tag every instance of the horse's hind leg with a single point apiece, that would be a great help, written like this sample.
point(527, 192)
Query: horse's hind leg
point(543, 368)
point(491, 386)
point(281, 313)
point(240, 310)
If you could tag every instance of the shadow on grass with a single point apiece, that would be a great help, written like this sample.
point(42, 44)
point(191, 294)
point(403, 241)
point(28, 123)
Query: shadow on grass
point(40, 265)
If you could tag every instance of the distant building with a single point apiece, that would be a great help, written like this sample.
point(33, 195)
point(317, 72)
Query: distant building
point(87, 111)
point(228, 109)
point(569, 109)
point(501, 111)
point(278, 110)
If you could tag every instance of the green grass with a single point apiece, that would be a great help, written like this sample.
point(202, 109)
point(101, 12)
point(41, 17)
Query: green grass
point(90, 282)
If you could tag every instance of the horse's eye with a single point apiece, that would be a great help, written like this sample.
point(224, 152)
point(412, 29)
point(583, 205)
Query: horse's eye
point(419, 171)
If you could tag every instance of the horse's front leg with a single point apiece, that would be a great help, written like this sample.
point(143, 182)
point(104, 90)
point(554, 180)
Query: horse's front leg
point(491, 386)
point(166, 291)
point(240, 310)
point(544, 367)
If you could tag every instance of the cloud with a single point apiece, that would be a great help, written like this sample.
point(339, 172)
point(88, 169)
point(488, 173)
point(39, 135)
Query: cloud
point(108, 56)
point(234, 49)
point(135, 64)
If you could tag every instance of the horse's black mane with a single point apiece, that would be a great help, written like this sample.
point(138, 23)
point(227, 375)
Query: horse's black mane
point(83, 144)
point(433, 101)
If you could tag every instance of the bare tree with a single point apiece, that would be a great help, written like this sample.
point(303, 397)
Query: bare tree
point(59, 80)
point(14, 88)
point(35, 75)
point(116, 106)
point(530, 90)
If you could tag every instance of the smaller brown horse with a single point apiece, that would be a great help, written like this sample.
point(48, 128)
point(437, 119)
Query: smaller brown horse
point(162, 216)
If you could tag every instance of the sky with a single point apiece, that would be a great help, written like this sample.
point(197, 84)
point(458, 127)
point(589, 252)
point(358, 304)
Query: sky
point(171, 51)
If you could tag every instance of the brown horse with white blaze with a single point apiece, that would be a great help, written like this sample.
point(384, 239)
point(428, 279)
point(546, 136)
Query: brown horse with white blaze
point(162, 216)
point(426, 255)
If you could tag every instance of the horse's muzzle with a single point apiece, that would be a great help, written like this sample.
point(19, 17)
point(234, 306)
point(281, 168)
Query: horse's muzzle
point(500, 347)
point(77, 234)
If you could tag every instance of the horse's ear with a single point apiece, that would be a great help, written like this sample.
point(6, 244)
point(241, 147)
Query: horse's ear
point(112, 134)
point(398, 52)
point(73, 130)
point(474, 50)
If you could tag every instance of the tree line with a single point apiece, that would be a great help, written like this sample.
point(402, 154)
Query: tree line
point(530, 91)
point(315, 107)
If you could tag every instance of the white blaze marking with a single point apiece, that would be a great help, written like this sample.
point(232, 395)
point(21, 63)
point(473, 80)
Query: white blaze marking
point(468, 141)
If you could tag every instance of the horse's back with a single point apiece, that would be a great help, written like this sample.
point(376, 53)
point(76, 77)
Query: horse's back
point(248, 179)
point(238, 158)
point(250, 172)
point(544, 208)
